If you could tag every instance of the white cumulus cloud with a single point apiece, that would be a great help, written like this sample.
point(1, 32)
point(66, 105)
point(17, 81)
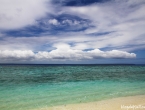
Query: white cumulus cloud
point(16, 54)
point(63, 52)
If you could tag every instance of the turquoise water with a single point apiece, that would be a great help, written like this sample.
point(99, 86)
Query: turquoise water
point(26, 87)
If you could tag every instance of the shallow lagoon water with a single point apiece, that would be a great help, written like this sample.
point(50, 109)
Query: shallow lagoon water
point(24, 87)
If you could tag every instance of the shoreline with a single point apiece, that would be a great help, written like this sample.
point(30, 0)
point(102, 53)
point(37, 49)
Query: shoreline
point(121, 103)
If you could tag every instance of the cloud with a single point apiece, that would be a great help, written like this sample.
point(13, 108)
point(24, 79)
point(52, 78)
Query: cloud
point(53, 21)
point(64, 22)
point(96, 53)
point(125, 19)
point(110, 29)
point(78, 41)
point(71, 22)
point(16, 55)
point(16, 14)
point(62, 52)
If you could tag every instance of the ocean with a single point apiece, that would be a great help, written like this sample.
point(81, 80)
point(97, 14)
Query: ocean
point(28, 87)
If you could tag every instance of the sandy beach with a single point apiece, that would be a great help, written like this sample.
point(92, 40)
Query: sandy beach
point(122, 103)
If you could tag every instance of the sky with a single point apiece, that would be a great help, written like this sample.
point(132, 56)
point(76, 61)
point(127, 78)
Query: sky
point(72, 31)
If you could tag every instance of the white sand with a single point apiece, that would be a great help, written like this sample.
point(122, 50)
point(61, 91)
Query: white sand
point(110, 104)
